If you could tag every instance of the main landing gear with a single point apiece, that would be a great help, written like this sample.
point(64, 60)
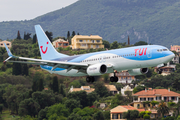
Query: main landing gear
point(159, 71)
point(90, 79)
point(114, 78)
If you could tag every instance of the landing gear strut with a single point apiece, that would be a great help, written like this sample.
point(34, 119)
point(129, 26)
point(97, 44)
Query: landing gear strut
point(159, 71)
point(114, 78)
point(90, 79)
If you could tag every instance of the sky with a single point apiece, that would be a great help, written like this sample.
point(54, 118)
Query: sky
point(13, 10)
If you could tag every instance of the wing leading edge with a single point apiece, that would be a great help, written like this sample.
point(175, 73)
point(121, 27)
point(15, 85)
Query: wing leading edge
point(54, 64)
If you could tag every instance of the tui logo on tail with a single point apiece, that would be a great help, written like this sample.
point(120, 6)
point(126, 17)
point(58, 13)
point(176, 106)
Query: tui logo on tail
point(44, 52)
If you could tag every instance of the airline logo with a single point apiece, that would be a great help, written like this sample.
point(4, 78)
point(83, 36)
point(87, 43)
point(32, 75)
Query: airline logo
point(44, 52)
point(140, 51)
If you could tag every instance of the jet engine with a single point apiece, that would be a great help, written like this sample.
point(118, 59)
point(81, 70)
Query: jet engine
point(96, 69)
point(138, 71)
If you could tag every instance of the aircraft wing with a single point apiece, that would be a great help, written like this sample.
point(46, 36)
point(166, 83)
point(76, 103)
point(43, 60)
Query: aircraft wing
point(54, 64)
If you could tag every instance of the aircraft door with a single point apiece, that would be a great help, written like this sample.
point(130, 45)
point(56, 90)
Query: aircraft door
point(149, 53)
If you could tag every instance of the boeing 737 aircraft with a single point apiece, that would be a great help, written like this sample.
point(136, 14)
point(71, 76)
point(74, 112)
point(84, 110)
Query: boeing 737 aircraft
point(134, 59)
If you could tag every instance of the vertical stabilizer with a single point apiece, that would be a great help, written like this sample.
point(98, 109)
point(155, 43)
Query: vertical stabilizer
point(47, 51)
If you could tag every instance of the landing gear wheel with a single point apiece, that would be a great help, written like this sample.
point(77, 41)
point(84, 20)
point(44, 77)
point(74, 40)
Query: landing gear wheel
point(112, 79)
point(90, 79)
point(115, 79)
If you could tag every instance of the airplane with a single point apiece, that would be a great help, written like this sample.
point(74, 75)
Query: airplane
point(134, 59)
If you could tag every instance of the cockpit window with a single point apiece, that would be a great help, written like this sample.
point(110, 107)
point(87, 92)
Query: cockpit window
point(160, 50)
point(165, 49)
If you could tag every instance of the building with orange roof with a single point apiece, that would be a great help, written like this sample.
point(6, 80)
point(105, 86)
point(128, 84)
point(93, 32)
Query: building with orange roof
point(60, 43)
point(117, 112)
point(86, 42)
point(9, 44)
point(154, 94)
point(85, 88)
point(112, 89)
point(175, 48)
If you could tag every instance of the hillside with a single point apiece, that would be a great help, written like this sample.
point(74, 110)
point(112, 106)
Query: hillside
point(147, 20)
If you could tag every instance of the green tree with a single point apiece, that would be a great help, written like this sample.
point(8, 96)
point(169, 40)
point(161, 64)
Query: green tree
point(162, 108)
point(75, 84)
point(106, 115)
point(74, 116)
point(68, 35)
point(129, 96)
point(57, 110)
point(34, 39)
point(106, 44)
point(1, 108)
point(178, 118)
point(176, 83)
point(61, 90)
point(79, 96)
point(42, 113)
point(14, 95)
point(49, 35)
point(131, 114)
point(16, 69)
point(118, 86)
point(29, 107)
point(140, 43)
point(55, 84)
point(153, 103)
point(27, 36)
point(73, 34)
point(169, 118)
point(40, 85)
point(117, 100)
point(100, 89)
point(18, 35)
point(71, 104)
point(44, 99)
point(37, 82)
point(92, 97)
point(25, 69)
point(98, 115)
point(146, 116)
point(86, 113)
point(114, 45)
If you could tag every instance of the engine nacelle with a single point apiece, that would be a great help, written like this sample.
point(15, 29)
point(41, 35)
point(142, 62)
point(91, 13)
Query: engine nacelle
point(97, 69)
point(138, 71)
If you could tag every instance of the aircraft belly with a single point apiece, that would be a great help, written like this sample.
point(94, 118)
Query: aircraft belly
point(72, 73)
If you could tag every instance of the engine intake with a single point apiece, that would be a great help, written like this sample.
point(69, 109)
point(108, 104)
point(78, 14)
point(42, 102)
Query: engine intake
point(97, 69)
point(138, 71)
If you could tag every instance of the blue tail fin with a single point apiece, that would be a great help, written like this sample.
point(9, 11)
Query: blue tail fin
point(47, 50)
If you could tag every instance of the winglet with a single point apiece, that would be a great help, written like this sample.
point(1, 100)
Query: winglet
point(9, 53)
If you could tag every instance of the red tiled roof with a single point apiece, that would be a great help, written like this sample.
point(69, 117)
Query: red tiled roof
point(119, 109)
point(140, 110)
point(129, 107)
point(156, 92)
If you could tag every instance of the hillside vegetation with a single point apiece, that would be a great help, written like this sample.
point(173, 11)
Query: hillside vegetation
point(155, 21)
